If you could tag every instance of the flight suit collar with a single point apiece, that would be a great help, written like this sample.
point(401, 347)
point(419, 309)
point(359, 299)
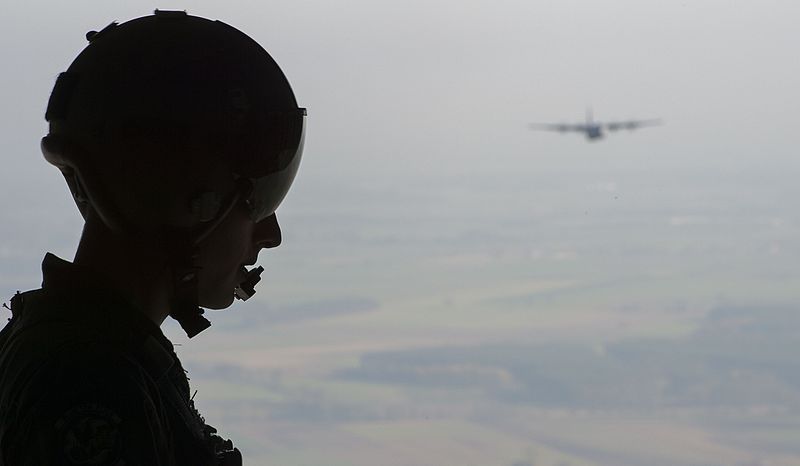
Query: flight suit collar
point(86, 297)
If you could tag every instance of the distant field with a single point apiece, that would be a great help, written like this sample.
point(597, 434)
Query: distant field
point(637, 326)
point(461, 409)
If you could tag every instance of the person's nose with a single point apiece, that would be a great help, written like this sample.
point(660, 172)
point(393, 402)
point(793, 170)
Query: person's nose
point(267, 233)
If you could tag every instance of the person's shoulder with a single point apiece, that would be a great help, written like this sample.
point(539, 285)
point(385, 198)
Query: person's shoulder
point(71, 358)
point(53, 337)
point(51, 363)
point(87, 400)
point(61, 350)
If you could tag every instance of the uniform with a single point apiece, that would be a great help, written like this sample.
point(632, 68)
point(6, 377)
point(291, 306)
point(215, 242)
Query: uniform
point(89, 380)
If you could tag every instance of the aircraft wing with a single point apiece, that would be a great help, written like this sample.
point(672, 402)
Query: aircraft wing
point(631, 125)
point(560, 127)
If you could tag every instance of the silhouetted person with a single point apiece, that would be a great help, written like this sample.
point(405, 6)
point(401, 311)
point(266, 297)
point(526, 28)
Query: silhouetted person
point(178, 137)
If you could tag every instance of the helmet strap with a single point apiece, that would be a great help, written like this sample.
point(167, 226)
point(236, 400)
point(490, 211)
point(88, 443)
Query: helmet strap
point(184, 306)
point(182, 250)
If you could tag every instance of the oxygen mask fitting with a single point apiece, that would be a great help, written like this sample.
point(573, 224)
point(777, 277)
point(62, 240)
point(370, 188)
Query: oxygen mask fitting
point(246, 289)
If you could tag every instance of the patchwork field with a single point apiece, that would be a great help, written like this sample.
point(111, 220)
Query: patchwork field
point(630, 336)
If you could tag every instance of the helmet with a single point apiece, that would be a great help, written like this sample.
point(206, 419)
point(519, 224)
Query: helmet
point(163, 123)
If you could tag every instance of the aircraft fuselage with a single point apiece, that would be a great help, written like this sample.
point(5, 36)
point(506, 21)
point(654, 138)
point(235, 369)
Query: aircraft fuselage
point(593, 132)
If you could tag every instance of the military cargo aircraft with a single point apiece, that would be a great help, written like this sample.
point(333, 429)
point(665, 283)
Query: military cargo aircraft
point(594, 130)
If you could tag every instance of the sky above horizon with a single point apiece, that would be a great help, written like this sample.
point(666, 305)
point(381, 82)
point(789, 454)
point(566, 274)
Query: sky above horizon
point(427, 213)
point(405, 97)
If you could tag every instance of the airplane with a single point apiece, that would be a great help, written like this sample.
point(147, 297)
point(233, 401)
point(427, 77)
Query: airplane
point(593, 130)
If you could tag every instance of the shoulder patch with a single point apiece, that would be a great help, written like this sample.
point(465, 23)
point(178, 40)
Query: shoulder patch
point(89, 434)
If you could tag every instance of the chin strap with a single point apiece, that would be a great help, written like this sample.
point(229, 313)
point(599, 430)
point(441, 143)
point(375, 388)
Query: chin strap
point(183, 305)
point(183, 266)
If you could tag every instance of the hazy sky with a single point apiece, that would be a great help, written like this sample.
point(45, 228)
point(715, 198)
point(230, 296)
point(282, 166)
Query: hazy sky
point(423, 194)
point(424, 91)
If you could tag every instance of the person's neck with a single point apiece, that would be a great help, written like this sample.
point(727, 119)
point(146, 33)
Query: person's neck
point(134, 269)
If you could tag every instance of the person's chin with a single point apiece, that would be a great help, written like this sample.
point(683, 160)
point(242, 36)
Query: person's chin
point(218, 303)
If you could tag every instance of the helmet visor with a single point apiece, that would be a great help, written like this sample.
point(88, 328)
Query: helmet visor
point(270, 188)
